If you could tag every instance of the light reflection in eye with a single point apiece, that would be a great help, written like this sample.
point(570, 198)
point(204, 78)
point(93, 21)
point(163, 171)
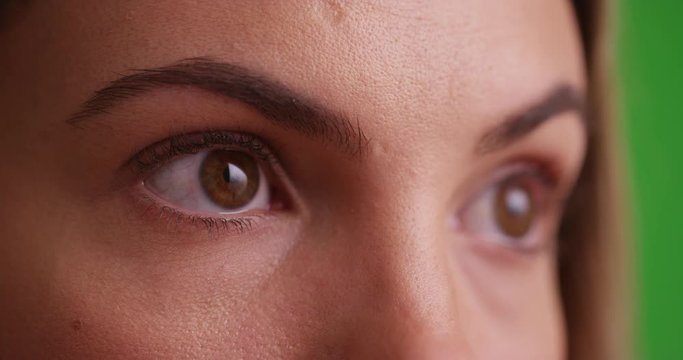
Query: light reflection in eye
point(514, 209)
point(511, 212)
point(215, 181)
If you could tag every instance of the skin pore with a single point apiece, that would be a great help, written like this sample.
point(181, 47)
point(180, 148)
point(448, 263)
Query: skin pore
point(381, 130)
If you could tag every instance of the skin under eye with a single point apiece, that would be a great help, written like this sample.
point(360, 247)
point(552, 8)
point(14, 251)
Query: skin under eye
point(513, 212)
point(213, 181)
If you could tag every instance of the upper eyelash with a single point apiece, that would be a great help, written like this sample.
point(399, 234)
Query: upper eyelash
point(156, 154)
point(543, 171)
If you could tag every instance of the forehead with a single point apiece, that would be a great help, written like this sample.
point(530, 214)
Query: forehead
point(386, 64)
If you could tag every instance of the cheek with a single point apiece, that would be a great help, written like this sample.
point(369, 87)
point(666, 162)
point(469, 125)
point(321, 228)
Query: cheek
point(131, 310)
point(223, 308)
point(513, 305)
point(142, 291)
point(130, 293)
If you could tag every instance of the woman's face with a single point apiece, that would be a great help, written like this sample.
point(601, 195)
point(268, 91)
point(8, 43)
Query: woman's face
point(290, 179)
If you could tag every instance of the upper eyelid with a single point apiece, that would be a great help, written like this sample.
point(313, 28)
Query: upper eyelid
point(544, 170)
point(509, 171)
point(562, 99)
point(154, 155)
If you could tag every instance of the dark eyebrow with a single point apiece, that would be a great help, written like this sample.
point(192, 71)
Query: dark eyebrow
point(273, 100)
point(561, 99)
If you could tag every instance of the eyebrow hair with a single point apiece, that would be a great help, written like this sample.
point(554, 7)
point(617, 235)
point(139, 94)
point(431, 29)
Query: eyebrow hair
point(563, 98)
point(273, 100)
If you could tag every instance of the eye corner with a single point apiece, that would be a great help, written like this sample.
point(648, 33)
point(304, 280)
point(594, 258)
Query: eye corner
point(172, 178)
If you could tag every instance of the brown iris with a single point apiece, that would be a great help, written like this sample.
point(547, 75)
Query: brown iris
point(514, 209)
point(229, 178)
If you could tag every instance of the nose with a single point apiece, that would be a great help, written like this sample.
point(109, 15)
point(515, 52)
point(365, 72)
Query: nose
point(410, 308)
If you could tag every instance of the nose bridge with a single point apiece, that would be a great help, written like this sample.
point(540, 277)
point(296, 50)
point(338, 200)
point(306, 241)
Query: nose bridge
point(412, 304)
point(413, 274)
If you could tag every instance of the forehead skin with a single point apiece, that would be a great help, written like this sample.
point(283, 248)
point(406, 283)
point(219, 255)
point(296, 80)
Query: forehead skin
point(391, 59)
point(422, 78)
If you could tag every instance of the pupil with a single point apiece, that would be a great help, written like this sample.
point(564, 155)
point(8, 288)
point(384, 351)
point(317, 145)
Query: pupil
point(229, 178)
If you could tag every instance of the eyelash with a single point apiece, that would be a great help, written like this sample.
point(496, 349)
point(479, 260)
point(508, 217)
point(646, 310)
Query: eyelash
point(159, 153)
point(151, 158)
point(548, 176)
point(230, 226)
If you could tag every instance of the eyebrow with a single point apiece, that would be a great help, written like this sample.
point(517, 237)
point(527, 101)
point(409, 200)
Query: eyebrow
point(562, 99)
point(273, 100)
point(286, 108)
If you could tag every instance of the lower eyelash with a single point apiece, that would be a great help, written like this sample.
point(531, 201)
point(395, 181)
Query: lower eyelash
point(157, 154)
point(232, 226)
point(179, 221)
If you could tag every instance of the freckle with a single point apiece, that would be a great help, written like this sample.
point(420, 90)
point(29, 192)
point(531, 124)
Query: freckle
point(76, 325)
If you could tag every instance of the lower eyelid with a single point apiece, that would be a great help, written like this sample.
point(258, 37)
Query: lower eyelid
point(497, 253)
point(544, 191)
point(168, 219)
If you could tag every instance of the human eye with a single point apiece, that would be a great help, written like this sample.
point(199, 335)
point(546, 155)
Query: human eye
point(212, 181)
point(517, 210)
point(212, 178)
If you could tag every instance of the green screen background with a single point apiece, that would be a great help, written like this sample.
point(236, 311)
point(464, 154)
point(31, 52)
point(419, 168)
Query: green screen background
point(650, 66)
